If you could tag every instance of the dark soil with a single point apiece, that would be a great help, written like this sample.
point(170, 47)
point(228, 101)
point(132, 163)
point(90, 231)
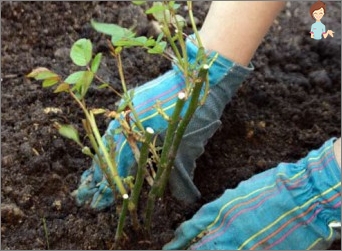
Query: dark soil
point(289, 105)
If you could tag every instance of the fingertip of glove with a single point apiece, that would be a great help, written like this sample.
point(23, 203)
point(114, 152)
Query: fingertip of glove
point(103, 198)
point(83, 194)
point(85, 175)
point(99, 203)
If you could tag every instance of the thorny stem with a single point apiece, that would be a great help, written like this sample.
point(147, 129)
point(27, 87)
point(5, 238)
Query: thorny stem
point(163, 160)
point(181, 60)
point(130, 105)
point(174, 133)
point(90, 135)
point(193, 24)
point(112, 168)
point(170, 132)
point(172, 142)
point(163, 173)
point(184, 58)
point(149, 208)
point(202, 75)
point(131, 140)
point(106, 156)
point(167, 32)
point(121, 223)
point(139, 180)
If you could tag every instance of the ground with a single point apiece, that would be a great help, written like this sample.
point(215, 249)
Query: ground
point(289, 105)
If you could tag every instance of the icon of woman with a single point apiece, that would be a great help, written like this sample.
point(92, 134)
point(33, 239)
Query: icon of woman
point(317, 11)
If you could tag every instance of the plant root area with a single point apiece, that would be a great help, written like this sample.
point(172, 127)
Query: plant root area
point(289, 105)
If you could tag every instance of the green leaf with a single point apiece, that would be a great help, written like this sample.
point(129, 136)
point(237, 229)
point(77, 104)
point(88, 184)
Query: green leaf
point(50, 81)
point(174, 5)
point(108, 29)
point(123, 106)
point(158, 10)
point(41, 73)
point(138, 2)
point(157, 7)
point(141, 39)
point(84, 83)
point(62, 87)
point(130, 42)
point(150, 42)
point(70, 132)
point(158, 48)
point(112, 30)
point(126, 99)
point(81, 52)
point(74, 77)
point(123, 43)
point(160, 37)
point(181, 20)
point(96, 62)
point(45, 75)
point(126, 40)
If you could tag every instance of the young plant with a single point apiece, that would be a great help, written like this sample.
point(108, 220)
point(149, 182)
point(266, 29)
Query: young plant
point(77, 85)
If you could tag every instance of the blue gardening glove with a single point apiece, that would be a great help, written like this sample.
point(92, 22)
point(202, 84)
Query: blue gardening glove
point(292, 206)
point(224, 79)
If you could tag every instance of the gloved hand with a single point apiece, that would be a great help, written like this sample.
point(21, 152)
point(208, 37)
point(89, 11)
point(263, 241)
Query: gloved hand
point(288, 207)
point(224, 79)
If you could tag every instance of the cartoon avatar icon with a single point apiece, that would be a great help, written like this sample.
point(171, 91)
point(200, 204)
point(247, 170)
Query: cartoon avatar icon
point(317, 11)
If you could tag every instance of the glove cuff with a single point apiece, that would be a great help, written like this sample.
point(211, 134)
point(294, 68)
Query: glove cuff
point(325, 180)
point(221, 65)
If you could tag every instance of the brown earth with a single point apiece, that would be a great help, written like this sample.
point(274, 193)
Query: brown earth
point(289, 105)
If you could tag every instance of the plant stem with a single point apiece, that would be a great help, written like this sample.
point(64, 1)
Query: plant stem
point(202, 75)
point(139, 180)
point(130, 105)
point(121, 223)
point(46, 233)
point(184, 57)
point(193, 24)
point(149, 208)
point(90, 135)
point(112, 167)
point(170, 132)
point(168, 36)
point(163, 159)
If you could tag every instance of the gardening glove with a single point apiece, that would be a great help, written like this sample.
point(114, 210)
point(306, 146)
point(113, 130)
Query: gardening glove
point(292, 206)
point(225, 77)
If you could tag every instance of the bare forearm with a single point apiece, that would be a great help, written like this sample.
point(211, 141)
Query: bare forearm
point(236, 28)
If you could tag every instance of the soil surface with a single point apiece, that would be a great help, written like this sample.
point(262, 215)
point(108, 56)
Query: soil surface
point(288, 106)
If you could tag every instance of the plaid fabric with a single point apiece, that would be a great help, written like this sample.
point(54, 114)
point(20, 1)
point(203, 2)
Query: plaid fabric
point(163, 90)
point(287, 207)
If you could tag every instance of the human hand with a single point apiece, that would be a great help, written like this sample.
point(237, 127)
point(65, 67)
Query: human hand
point(224, 79)
point(331, 33)
point(165, 89)
point(292, 206)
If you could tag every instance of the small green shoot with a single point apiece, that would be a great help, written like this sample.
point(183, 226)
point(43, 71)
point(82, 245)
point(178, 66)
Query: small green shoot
point(77, 84)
